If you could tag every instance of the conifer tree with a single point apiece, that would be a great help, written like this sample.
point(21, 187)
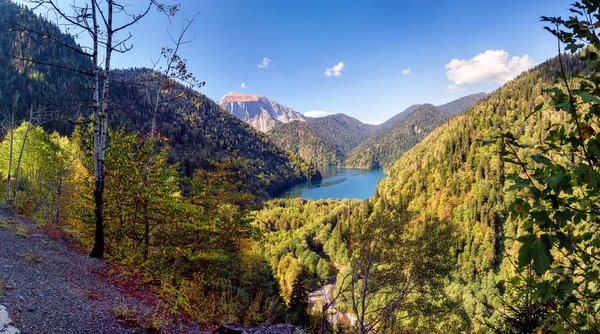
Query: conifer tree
point(298, 308)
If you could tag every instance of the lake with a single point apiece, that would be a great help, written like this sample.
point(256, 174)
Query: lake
point(339, 182)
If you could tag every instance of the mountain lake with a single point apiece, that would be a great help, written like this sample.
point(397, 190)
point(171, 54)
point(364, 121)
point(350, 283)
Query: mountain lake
point(339, 182)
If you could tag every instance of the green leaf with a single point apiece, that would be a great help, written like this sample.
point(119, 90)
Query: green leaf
point(541, 159)
point(587, 97)
point(567, 287)
point(558, 182)
point(539, 107)
point(543, 291)
point(536, 250)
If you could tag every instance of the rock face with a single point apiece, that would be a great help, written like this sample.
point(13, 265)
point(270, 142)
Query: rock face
point(6, 326)
point(258, 111)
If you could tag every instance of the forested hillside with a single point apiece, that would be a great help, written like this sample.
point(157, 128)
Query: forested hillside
point(452, 176)
point(387, 145)
point(344, 141)
point(323, 140)
point(196, 128)
point(401, 132)
point(455, 107)
point(396, 118)
point(199, 131)
point(24, 83)
point(455, 175)
point(306, 141)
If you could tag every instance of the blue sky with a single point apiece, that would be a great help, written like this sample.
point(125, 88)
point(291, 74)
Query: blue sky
point(394, 53)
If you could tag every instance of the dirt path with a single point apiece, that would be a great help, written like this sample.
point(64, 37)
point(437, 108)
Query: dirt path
point(47, 287)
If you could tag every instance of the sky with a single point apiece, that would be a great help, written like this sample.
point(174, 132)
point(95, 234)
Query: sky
point(367, 59)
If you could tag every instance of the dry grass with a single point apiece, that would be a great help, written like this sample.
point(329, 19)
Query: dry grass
point(30, 258)
point(17, 229)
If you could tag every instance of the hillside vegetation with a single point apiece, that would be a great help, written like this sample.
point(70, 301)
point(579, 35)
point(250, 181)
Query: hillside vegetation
point(452, 176)
point(344, 141)
point(403, 131)
point(198, 131)
point(387, 145)
point(324, 140)
point(486, 222)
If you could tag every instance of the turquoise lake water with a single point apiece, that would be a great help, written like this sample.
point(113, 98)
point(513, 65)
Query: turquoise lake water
point(340, 183)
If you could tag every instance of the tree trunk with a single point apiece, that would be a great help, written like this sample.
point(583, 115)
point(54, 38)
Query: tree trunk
point(10, 158)
point(58, 204)
point(21, 155)
point(100, 131)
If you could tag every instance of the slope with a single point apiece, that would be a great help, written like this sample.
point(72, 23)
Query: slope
point(305, 140)
point(457, 106)
point(24, 84)
point(323, 140)
point(387, 145)
point(457, 176)
point(401, 132)
point(197, 129)
point(398, 117)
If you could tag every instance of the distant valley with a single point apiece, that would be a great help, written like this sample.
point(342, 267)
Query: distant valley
point(341, 140)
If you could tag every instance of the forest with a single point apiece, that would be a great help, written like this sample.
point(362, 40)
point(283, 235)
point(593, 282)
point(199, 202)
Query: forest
point(340, 140)
point(325, 140)
point(485, 223)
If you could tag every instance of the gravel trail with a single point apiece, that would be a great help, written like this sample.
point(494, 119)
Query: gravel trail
point(47, 287)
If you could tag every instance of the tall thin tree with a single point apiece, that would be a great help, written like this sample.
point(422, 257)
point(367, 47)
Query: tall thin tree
point(97, 18)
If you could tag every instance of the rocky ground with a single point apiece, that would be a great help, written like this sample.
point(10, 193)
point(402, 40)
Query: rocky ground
point(48, 286)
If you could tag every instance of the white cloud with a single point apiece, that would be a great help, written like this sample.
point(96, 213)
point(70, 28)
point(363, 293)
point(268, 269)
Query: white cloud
point(265, 63)
point(335, 71)
point(406, 71)
point(243, 85)
point(373, 122)
point(490, 66)
point(316, 113)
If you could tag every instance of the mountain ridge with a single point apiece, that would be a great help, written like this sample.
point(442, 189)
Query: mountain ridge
point(341, 140)
point(322, 140)
point(198, 130)
point(260, 112)
point(401, 132)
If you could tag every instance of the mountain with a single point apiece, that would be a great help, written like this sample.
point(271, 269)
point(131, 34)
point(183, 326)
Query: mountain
point(199, 131)
point(387, 145)
point(403, 131)
point(305, 140)
point(457, 176)
point(323, 140)
point(23, 84)
point(258, 111)
point(196, 128)
point(455, 107)
point(398, 117)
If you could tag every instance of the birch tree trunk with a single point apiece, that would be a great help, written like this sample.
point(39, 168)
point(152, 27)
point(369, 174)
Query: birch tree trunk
point(99, 168)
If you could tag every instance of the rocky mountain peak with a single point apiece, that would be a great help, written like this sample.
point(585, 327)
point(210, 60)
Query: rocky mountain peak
point(260, 112)
point(239, 97)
